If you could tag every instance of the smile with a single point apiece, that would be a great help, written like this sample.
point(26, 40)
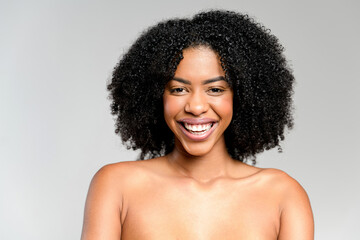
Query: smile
point(197, 129)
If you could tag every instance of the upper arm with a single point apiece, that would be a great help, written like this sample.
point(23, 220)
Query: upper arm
point(296, 221)
point(103, 207)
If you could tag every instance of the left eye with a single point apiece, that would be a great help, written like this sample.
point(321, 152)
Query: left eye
point(216, 90)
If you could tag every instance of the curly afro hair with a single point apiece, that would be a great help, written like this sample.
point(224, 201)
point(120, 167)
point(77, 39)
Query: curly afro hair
point(254, 66)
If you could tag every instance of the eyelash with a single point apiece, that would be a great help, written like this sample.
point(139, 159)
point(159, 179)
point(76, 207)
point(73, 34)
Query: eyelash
point(212, 90)
point(218, 90)
point(175, 90)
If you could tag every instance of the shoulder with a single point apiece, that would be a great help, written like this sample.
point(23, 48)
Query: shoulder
point(110, 184)
point(295, 211)
point(108, 196)
point(117, 174)
point(125, 175)
point(279, 179)
point(113, 170)
point(290, 190)
point(284, 184)
point(281, 186)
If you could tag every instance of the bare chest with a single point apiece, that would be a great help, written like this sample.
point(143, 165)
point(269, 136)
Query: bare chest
point(177, 210)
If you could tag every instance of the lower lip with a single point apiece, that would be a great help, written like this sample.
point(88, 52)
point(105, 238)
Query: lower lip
point(198, 137)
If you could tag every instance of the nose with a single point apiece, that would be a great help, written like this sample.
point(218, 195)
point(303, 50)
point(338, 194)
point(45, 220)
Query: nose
point(196, 104)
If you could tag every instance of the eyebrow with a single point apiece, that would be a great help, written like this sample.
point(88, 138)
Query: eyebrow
point(215, 79)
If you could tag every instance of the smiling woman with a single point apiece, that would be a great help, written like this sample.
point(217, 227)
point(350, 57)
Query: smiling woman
point(199, 97)
point(198, 102)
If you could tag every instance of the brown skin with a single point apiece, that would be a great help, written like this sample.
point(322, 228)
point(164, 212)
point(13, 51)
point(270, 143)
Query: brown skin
point(198, 191)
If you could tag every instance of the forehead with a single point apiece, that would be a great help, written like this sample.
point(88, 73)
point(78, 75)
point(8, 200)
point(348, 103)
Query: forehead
point(199, 63)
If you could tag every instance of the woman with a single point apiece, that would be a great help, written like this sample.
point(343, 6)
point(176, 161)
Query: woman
point(200, 97)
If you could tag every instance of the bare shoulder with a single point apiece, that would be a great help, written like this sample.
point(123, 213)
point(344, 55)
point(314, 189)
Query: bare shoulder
point(109, 174)
point(105, 208)
point(113, 181)
point(294, 205)
point(286, 185)
point(121, 173)
point(279, 179)
point(114, 170)
point(129, 175)
point(278, 183)
point(269, 178)
point(266, 175)
point(110, 181)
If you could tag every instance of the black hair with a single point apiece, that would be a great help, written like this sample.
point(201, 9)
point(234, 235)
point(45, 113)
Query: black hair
point(254, 66)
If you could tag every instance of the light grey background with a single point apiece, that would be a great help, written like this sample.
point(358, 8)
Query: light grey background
point(56, 130)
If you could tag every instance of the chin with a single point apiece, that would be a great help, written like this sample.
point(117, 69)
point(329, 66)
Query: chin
point(197, 149)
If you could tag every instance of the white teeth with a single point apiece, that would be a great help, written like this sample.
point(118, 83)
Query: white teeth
point(199, 128)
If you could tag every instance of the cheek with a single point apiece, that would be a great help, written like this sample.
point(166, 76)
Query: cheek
point(172, 106)
point(224, 107)
point(229, 104)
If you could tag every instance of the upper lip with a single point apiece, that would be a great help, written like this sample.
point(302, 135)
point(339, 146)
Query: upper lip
point(196, 121)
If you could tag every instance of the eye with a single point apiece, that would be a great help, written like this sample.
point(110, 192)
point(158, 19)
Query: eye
point(177, 90)
point(216, 91)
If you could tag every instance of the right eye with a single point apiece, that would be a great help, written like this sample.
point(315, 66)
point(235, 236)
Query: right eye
point(177, 90)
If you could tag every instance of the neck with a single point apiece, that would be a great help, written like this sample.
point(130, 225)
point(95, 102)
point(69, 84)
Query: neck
point(213, 165)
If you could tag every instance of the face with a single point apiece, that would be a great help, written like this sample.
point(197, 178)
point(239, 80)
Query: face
point(198, 102)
